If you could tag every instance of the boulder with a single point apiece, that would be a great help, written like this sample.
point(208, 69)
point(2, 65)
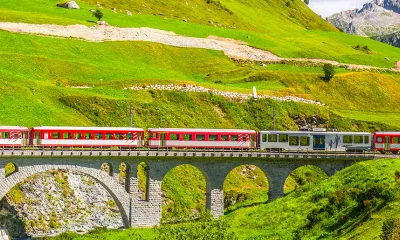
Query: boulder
point(103, 23)
point(128, 13)
point(69, 5)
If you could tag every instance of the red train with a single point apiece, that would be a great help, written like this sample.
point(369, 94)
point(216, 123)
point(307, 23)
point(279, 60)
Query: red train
point(15, 136)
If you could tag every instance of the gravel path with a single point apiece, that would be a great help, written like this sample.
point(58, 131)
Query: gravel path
point(232, 48)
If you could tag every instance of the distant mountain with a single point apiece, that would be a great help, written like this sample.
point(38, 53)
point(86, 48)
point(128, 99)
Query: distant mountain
point(378, 19)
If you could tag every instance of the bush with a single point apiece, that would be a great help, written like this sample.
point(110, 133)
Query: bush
point(389, 229)
point(98, 14)
point(307, 2)
point(329, 71)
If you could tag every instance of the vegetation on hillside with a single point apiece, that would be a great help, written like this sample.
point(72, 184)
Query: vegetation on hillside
point(259, 23)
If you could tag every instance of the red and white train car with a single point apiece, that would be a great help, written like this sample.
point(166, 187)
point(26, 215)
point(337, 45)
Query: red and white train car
point(387, 141)
point(87, 136)
point(201, 138)
point(14, 136)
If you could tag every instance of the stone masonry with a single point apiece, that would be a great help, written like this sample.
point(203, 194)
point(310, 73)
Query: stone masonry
point(136, 212)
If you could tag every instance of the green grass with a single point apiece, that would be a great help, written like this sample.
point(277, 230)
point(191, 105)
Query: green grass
point(258, 22)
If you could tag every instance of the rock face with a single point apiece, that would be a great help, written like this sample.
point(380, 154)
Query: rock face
point(374, 19)
point(70, 5)
point(58, 201)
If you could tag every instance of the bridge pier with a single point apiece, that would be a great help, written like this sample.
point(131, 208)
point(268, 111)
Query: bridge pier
point(215, 200)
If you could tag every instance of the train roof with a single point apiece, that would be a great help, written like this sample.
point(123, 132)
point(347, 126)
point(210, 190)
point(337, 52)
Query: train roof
point(316, 133)
point(200, 130)
point(13, 128)
point(390, 133)
point(88, 128)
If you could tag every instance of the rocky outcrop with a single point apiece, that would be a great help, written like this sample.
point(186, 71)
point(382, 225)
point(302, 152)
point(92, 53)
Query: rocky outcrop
point(69, 5)
point(377, 18)
point(58, 201)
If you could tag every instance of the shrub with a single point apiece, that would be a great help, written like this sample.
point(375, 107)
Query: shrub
point(329, 71)
point(307, 2)
point(98, 14)
point(389, 229)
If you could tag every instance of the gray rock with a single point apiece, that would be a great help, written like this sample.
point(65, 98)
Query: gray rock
point(128, 13)
point(103, 23)
point(69, 5)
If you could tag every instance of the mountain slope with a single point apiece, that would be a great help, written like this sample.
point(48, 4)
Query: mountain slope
point(379, 19)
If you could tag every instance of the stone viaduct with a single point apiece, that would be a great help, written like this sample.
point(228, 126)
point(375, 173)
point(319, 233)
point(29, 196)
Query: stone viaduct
point(215, 167)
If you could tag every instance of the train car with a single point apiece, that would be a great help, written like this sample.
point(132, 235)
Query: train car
point(14, 136)
point(87, 137)
point(201, 138)
point(315, 141)
point(387, 142)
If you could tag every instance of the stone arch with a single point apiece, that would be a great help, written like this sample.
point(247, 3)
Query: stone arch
point(205, 201)
point(10, 168)
point(118, 193)
point(143, 181)
point(251, 179)
point(313, 173)
point(107, 168)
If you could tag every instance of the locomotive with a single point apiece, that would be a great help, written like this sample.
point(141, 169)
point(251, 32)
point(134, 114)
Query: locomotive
point(195, 138)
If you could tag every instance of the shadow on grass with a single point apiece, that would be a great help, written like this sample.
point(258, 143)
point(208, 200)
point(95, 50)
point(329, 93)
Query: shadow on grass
point(228, 211)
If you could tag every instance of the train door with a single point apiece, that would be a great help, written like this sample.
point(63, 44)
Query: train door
point(387, 143)
point(252, 141)
point(163, 140)
point(24, 138)
point(140, 140)
point(37, 139)
point(319, 142)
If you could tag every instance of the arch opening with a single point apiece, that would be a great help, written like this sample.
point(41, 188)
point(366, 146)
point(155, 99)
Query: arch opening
point(62, 195)
point(143, 181)
point(106, 167)
point(245, 185)
point(10, 169)
point(183, 193)
point(304, 178)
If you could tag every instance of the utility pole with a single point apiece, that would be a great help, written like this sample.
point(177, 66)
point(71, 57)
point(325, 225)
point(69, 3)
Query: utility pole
point(274, 116)
point(131, 115)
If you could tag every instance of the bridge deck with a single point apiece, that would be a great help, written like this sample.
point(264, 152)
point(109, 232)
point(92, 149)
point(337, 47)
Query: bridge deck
point(198, 154)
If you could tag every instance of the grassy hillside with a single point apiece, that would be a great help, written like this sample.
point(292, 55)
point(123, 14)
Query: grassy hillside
point(353, 203)
point(259, 22)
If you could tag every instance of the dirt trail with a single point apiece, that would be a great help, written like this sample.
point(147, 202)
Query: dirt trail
point(232, 48)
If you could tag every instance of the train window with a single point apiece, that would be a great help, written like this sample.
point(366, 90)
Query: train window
point(98, 136)
point(304, 141)
point(272, 137)
point(234, 138)
point(129, 136)
point(173, 137)
point(264, 137)
point(358, 139)
point(5, 135)
point(213, 137)
point(155, 135)
point(224, 137)
point(283, 138)
point(347, 139)
point(16, 136)
point(200, 137)
point(109, 136)
point(187, 137)
point(379, 140)
point(395, 140)
point(77, 135)
point(366, 139)
point(88, 136)
point(67, 135)
point(293, 140)
point(56, 135)
point(244, 138)
point(45, 135)
point(119, 136)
